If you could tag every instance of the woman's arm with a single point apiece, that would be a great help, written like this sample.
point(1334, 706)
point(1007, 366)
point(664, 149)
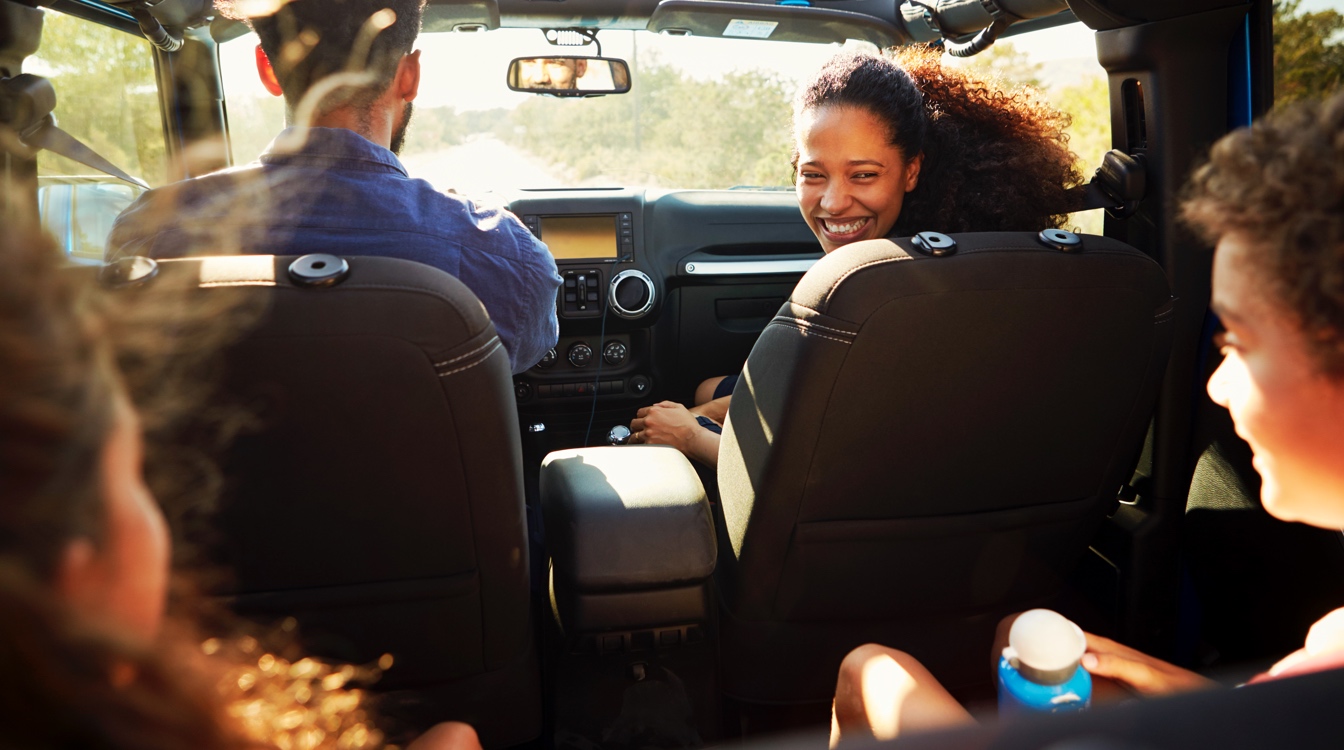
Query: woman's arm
point(670, 423)
point(716, 410)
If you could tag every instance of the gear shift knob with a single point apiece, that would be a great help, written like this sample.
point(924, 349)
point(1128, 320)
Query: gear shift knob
point(618, 435)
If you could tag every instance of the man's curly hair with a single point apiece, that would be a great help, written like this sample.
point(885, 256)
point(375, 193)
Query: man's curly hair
point(308, 40)
point(1279, 184)
point(994, 160)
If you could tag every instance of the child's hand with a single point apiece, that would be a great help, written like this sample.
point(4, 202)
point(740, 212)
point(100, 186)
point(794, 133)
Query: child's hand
point(1138, 671)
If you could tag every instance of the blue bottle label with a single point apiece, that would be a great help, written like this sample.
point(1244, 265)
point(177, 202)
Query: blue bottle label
point(1018, 695)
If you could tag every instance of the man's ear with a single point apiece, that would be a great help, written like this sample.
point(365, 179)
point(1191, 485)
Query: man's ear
point(406, 85)
point(912, 172)
point(267, 74)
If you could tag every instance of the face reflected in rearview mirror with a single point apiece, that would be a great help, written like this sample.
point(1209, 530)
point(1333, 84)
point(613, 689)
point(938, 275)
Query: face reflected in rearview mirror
point(569, 75)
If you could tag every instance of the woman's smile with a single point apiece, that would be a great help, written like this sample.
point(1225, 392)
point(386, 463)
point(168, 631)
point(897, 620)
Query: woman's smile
point(851, 180)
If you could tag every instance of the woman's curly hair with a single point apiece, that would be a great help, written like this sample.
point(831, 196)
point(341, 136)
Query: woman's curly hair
point(1279, 184)
point(994, 160)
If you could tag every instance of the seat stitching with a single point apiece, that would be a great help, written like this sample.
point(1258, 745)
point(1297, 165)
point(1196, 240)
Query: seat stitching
point(492, 340)
point(810, 324)
point(855, 269)
point(811, 333)
point(473, 364)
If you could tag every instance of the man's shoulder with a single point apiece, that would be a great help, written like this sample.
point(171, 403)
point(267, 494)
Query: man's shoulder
point(480, 224)
point(175, 206)
point(196, 192)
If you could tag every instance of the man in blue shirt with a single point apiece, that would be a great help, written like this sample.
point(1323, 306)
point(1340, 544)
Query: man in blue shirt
point(337, 186)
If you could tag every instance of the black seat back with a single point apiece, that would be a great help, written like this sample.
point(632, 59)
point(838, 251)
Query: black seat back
point(381, 500)
point(919, 444)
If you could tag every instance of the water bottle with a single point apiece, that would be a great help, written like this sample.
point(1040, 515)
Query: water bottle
point(1039, 671)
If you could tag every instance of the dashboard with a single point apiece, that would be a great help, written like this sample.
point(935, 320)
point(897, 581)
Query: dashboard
point(661, 290)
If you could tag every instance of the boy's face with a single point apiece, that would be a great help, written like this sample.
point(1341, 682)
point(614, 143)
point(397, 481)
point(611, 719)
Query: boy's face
point(1290, 412)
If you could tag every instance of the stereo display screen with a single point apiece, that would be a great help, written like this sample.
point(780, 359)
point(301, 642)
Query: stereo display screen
point(579, 237)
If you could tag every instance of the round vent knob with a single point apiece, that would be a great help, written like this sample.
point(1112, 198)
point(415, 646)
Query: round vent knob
point(580, 354)
point(632, 294)
point(614, 352)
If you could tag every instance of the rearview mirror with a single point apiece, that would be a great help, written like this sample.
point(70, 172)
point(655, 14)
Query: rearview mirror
point(569, 75)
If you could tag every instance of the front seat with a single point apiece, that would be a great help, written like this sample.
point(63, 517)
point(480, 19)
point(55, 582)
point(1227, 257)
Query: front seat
point(380, 501)
point(925, 438)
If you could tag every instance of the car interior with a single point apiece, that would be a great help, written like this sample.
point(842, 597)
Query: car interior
point(926, 436)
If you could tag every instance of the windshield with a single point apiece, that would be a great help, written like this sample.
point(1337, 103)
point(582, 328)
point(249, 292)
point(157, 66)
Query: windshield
point(701, 113)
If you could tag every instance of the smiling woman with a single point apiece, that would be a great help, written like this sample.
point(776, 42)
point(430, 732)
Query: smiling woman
point(889, 147)
point(904, 145)
point(851, 180)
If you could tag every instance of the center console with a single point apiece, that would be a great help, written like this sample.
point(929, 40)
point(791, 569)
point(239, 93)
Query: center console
point(606, 304)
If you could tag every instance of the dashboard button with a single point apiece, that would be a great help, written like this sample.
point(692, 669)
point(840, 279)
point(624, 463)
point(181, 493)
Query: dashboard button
point(580, 354)
point(522, 390)
point(614, 352)
point(548, 360)
point(640, 385)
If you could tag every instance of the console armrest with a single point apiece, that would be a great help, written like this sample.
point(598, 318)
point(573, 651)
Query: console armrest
point(626, 518)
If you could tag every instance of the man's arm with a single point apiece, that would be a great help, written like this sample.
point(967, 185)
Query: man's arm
point(538, 328)
point(132, 233)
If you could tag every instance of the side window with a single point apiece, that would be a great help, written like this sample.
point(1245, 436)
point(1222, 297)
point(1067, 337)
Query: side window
point(1308, 49)
point(106, 97)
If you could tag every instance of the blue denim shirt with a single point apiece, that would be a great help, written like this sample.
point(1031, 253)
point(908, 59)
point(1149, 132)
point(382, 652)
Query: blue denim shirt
point(336, 192)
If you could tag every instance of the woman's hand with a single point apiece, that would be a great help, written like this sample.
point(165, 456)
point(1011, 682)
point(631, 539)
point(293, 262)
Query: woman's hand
point(1138, 671)
point(670, 423)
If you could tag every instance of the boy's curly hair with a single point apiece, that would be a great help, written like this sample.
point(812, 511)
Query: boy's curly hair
point(1279, 184)
point(994, 160)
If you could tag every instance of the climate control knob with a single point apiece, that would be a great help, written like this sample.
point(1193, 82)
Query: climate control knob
point(580, 354)
point(631, 294)
point(549, 360)
point(614, 353)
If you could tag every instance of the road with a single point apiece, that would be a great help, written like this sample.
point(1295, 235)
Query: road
point(482, 164)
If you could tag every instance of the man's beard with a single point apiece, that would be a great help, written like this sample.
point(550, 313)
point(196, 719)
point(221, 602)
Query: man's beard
point(399, 135)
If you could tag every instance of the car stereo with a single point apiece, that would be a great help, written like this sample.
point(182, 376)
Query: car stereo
point(589, 237)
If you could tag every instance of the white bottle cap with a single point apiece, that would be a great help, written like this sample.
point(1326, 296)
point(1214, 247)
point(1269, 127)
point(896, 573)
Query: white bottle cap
point(1045, 640)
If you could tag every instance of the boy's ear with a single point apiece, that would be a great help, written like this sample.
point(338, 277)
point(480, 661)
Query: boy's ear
point(77, 573)
point(267, 74)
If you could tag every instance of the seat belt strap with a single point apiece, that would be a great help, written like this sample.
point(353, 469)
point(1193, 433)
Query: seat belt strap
point(47, 136)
